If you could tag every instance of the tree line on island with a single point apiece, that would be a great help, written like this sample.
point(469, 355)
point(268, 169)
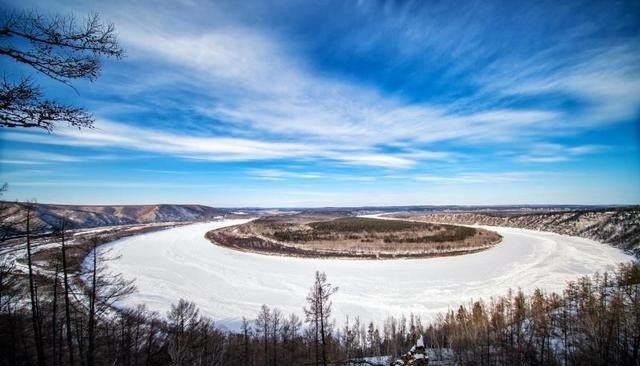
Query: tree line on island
point(367, 230)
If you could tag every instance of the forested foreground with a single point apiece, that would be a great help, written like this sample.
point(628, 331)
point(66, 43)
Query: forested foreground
point(51, 314)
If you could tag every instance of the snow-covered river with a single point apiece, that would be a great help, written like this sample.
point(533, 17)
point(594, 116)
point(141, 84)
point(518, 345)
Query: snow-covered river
point(228, 284)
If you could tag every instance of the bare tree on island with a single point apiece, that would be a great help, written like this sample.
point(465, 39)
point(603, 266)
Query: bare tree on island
point(58, 47)
point(318, 312)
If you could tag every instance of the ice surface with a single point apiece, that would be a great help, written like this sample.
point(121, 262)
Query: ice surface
point(228, 284)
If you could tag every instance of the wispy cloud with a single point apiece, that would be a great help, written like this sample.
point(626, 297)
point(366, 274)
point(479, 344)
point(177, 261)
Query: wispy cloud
point(31, 157)
point(161, 171)
point(20, 162)
point(281, 175)
point(215, 149)
point(111, 184)
point(35, 157)
point(278, 174)
point(605, 81)
point(553, 153)
point(475, 177)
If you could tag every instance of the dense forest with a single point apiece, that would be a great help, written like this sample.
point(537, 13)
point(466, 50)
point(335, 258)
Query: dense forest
point(55, 315)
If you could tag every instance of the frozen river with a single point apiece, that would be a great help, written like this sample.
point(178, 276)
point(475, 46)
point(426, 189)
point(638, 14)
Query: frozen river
point(228, 284)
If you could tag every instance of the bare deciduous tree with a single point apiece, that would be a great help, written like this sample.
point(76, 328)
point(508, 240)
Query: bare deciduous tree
point(33, 293)
point(58, 47)
point(276, 318)
point(318, 312)
point(262, 327)
point(67, 301)
point(184, 320)
point(247, 332)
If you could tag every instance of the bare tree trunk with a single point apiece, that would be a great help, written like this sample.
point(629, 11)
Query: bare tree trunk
point(92, 310)
point(67, 305)
point(54, 316)
point(39, 322)
point(319, 309)
point(316, 340)
point(35, 317)
point(324, 351)
point(275, 349)
point(266, 346)
point(60, 343)
point(137, 342)
point(275, 327)
point(14, 342)
point(150, 341)
point(245, 341)
point(80, 339)
point(204, 354)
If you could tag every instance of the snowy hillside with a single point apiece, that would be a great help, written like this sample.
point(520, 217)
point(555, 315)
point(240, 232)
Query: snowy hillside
point(48, 216)
point(619, 227)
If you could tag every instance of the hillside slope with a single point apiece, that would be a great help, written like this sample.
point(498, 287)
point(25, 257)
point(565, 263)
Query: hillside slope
point(47, 216)
point(619, 227)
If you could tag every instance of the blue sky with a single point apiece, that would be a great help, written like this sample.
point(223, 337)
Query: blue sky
point(343, 103)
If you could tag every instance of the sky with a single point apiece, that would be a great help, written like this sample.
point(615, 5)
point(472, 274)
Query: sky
point(344, 103)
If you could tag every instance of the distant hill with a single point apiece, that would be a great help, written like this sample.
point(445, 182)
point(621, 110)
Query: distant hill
point(48, 216)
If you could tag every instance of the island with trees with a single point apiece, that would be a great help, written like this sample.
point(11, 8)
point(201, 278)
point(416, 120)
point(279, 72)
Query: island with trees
point(352, 237)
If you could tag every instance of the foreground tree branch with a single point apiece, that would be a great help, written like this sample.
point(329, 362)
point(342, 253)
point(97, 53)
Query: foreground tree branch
point(59, 48)
point(21, 105)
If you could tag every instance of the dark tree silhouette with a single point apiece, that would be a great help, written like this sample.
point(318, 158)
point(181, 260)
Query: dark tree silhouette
point(58, 47)
point(262, 327)
point(33, 295)
point(318, 312)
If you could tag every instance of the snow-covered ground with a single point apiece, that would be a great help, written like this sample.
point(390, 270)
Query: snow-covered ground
point(228, 284)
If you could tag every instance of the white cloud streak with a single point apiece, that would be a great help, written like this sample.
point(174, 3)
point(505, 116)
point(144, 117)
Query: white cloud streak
point(553, 153)
point(468, 178)
point(216, 149)
point(606, 80)
point(277, 174)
